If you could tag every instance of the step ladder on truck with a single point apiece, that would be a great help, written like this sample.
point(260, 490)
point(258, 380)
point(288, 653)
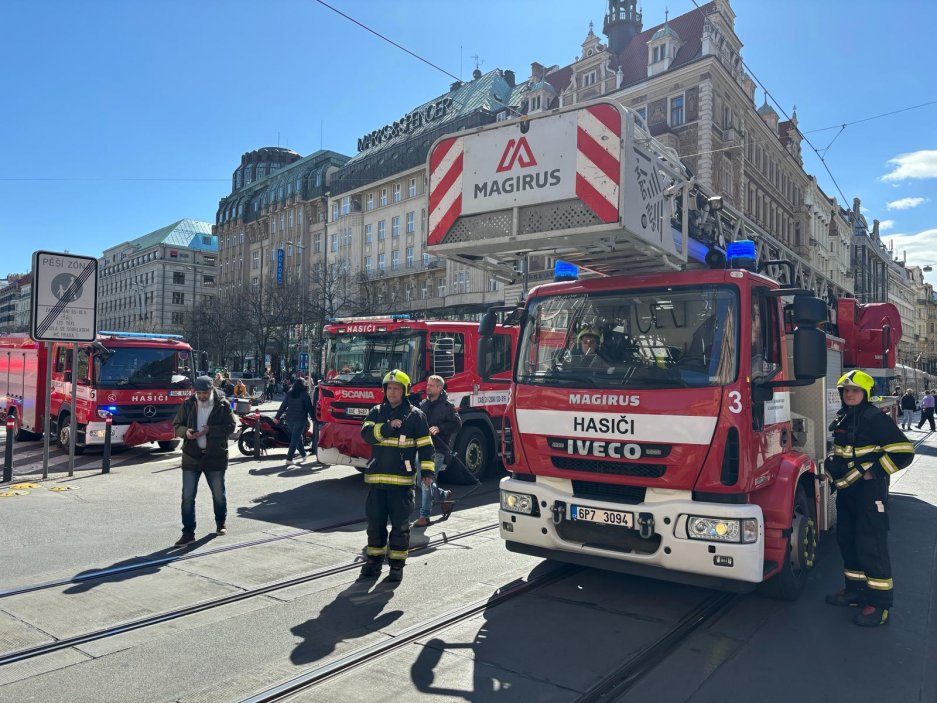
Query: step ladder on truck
point(689, 445)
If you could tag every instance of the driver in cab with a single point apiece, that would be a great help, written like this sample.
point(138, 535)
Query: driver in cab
point(588, 355)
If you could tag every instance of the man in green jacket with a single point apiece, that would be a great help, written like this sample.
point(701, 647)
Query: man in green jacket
point(204, 422)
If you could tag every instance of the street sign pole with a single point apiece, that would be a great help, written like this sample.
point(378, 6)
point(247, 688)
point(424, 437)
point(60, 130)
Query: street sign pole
point(73, 427)
point(47, 412)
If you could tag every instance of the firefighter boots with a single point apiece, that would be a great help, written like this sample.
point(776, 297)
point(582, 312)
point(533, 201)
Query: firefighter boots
point(371, 569)
point(396, 574)
point(845, 598)
point(871, 616)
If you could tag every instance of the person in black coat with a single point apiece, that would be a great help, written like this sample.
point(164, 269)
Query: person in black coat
point(908, 406)
point(297, 406)
point(444, 423)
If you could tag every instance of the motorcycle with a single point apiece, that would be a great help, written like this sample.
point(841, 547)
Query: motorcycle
point(272, 434)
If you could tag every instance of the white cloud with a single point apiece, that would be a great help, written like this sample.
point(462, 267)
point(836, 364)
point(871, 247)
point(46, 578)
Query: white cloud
point(905, 203)
point(917, 164)
point(886, 225)
point(921, 250)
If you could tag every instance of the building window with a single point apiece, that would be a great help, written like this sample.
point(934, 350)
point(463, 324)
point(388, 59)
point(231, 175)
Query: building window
point(411, 222)
point(370, 201)
point(395, 226)
point(425, 259)
point(383, 197)
point(178, 278)
point(273, 225)
point(367, 234)
point(676, 111)
point(642, 111)
point(334, 211)
point(177, 318)
point(411, 188)
point(178, 298)
point(502, 116)
point(380, 262)
point(367, 264)
point(395, 260)
point(346, 205)
point(588, 79)
point(396, 192)
point(409, 257)
point(380, 231)
point(317, 242)
point(255, 260)
point(334, 242)
point(534, 105)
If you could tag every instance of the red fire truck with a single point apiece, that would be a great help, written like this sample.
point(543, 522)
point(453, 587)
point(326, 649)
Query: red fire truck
point(361, 350)
point(688, 445)
point(138, 379)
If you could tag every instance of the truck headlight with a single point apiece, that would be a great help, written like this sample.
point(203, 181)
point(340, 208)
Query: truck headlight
point(713, 529)
point(522, 503)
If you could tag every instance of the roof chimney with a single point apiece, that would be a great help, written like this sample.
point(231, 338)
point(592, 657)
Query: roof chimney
point(455, 86)
point(536, 71)
point(875, 229)
point(509, 78)
point(855, 207)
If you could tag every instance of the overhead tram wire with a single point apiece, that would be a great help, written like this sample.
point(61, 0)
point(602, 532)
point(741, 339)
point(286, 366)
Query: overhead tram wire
point(869, 119)
point(784, 112)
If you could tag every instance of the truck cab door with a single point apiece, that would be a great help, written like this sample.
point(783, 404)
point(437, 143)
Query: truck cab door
point(770, 409)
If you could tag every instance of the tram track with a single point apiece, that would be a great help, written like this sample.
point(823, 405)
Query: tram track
point(150, 620)
point(173, 558)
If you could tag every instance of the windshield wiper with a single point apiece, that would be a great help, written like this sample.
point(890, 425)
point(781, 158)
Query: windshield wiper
point(565, 379)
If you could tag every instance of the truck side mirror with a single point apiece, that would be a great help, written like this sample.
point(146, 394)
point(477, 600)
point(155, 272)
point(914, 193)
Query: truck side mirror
point(809, 353)
point(485, 356)
point(486, 327)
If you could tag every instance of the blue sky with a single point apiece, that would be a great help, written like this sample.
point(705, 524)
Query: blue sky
point(122, 117)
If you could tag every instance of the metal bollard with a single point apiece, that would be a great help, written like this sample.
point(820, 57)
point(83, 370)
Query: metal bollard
point(106, 460)
point(8, 455)
point(258, 437)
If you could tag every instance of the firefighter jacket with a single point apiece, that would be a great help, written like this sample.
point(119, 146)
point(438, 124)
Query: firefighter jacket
point(441, 413)
point(866, 439)
point(397, 452)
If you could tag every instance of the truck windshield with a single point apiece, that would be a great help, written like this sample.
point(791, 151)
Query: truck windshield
point(364, 359)
point(138, 367)
point(661, 338)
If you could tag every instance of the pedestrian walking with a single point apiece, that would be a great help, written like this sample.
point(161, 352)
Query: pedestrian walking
point(444, 422)
point(204, 421)
point(269, 386)
point(867, 449)
point(297, 406)
point(908, 406)
point(400, 444)
point(927, 410)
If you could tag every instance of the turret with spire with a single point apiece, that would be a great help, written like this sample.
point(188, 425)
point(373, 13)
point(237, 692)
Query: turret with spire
point(622, 24)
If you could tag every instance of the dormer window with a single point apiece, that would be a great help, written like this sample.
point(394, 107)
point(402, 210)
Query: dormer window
point(535, 103)
point(588, 79)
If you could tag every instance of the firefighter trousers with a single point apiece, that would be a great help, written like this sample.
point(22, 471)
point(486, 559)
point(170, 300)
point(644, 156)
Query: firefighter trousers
point(862, 534)
point(393, 503)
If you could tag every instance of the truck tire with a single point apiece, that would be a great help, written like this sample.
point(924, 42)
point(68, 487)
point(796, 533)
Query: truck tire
point(474, 449)
point(789, 582)
point(62, 430)
point(168, 445)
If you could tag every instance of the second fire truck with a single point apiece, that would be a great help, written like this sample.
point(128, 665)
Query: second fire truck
point(361, 350)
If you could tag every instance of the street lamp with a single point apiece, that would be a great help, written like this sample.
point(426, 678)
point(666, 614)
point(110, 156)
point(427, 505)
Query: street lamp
point(302, 299)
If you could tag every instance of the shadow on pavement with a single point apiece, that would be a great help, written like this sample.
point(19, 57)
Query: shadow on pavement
point(168, 553)
point(356, 611)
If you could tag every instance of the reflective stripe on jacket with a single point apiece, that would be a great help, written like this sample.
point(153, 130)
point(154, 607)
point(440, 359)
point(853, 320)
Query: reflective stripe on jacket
point(393, 448)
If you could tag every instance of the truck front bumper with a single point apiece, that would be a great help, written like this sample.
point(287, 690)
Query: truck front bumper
point(656, 543)
point(94, 433)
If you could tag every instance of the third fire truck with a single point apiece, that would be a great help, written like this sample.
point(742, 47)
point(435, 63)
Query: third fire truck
point(361, 350)
point(688, 445)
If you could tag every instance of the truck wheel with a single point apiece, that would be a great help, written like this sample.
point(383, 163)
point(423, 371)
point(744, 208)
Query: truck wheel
point(789, 582)
point(63, 430)
point(474, 449)
point(168, 445)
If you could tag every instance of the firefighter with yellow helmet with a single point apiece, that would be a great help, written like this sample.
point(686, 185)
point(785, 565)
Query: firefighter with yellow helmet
point(868, 448)
point(400, 443)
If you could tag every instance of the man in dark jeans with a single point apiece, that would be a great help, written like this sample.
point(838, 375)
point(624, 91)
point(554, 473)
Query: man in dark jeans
point(204, 422)
point(297, 406)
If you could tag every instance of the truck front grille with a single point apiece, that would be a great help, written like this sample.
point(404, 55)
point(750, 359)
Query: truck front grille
point(615, 468)
point(619, 539)
point(632, 495)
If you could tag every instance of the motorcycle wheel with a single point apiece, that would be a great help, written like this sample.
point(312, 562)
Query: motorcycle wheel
point(246, 442)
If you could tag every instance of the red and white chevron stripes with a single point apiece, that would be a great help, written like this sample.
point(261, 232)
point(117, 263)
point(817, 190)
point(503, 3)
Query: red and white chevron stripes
point(445, 187)
point(598, 160)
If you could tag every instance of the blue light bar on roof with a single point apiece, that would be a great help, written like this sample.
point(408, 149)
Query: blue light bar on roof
point(742, 249)
point(140, 335)
point(565, 271)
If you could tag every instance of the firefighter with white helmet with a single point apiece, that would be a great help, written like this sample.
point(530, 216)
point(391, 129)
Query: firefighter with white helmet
point(400, 443)
point(867, 449)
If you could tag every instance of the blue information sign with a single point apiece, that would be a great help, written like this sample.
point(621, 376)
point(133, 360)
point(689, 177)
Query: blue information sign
point(279, 267)
point(303, 361)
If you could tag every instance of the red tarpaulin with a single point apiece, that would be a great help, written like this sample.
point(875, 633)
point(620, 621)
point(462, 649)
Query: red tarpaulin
point(150, 432)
